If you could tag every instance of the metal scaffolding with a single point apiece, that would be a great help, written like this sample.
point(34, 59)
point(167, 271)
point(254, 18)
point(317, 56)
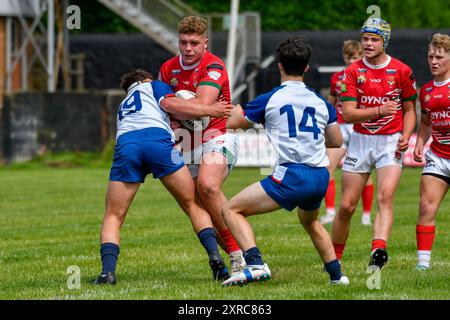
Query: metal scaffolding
point(25, 32)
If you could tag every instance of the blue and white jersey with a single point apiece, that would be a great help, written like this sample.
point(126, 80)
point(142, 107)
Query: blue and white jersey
point(295, 118)
point(141, 110)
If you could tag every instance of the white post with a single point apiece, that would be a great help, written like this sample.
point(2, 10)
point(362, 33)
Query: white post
point(50, 45)
point(231, 49)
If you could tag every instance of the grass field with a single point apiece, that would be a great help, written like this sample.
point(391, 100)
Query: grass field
point(50, 220)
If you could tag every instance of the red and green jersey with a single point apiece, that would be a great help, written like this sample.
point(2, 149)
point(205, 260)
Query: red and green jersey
point(372, 86)
point(435, 102)
point(209, 71)
point(335, 91)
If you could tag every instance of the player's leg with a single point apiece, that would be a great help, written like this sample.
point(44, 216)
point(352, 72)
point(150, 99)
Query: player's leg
point(334, 155)
point(199, 203)
point(322, 243)
point(432, 190)
point(352, 186)
point(367, 201)
point(212, 173)
point(252, 200)
point(181, 185)
point(388, 178)
point(125, 176)
point(119, 197)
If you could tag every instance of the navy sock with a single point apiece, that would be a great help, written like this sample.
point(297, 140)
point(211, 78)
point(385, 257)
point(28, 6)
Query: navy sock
point(208, 239)
point(334, 269)
point(253, 257)
point(109, 252)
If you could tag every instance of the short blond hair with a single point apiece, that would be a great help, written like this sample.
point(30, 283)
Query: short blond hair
point(192, 24)
point(351, 47)
point(440, 40)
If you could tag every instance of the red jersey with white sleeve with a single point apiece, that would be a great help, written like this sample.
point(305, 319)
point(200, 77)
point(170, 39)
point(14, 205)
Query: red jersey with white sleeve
point(372, 86)
point(209, 71)
point(335, 91)
point(435, 102)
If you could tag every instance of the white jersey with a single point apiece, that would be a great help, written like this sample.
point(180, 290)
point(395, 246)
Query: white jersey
point(141, 110)
point(295, 118)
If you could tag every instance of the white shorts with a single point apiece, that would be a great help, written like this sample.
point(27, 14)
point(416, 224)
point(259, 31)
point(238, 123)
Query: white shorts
point(371, 151)
point(346, 131)
point(436, 165)
point(226, 145)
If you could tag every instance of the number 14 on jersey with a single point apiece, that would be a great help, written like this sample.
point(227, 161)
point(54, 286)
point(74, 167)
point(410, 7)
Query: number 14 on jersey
point(309, 112)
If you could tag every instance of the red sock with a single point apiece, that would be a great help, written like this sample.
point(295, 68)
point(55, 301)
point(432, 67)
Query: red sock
point(367, 198)
point(425, 237)
point(379, 244)
point(330, 195)
point(228, 240)
point(339, 249)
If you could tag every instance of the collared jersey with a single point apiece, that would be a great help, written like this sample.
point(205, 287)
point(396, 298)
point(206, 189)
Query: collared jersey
point(435, 102)
point(209, 71)
point(295, 118)
point(372, 86)
point(141, 108)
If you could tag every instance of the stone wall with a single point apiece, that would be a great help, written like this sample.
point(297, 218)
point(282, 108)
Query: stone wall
point(33, 123)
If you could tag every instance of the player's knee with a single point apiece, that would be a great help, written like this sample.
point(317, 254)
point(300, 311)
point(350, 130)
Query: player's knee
point(427, 207)
point(347, 208)
point(207, 189)
point(385, 198)
point(187, 204)
point(115, 216)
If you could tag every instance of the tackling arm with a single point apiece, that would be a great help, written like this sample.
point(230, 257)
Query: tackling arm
point(237, 119)
point(188, 109)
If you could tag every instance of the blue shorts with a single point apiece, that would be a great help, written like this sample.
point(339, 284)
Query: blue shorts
point(299, 186)
point(140, 152)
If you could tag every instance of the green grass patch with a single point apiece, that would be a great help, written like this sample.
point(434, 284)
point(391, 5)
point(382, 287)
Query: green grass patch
point(50, 220)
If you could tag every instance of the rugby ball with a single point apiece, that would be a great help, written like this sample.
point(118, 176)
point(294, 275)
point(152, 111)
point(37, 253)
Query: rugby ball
point(197, 124)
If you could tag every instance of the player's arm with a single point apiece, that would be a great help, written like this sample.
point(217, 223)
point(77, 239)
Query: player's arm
point(188, 109)
point(423, 136)
point(237, 119)
point(353, 115)
point(206, 95)
point(349, 97)
point(409, 124)
point(333, 136)
point(408, 96)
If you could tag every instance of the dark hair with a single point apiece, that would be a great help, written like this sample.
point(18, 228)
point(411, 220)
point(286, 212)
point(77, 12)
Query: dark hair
point(133, 76)
point(293, 54)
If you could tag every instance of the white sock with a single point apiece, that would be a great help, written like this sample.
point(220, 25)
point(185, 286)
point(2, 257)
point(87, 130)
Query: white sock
point(424, 257)
point(331, 211)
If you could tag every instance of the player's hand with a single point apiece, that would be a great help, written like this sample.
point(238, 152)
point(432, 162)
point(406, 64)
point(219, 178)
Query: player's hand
point(221, 110)
point(418, 153)
point(389, 108)
point(403, 143)
point(175, 124)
